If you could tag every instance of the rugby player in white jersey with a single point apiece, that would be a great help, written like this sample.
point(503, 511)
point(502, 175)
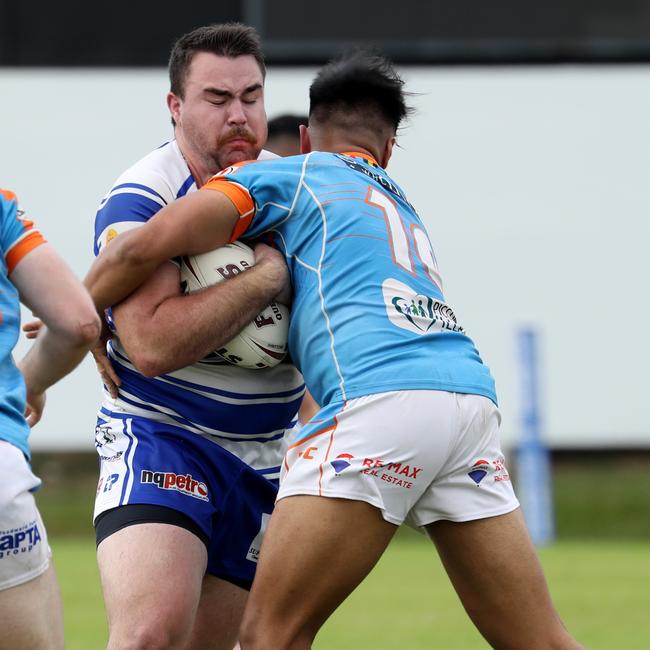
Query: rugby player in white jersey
point(185, 454)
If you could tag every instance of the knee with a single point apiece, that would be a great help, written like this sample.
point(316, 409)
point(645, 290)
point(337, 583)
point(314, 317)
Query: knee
point(149, 635)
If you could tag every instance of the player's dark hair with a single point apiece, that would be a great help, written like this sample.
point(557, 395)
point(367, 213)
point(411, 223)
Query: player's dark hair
point(227, 39)
point(286, 124)
point(360, 82)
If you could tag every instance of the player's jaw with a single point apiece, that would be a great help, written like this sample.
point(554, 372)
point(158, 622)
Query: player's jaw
point(240, 143)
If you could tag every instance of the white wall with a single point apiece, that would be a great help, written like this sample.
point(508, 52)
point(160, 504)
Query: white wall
point(533, 183)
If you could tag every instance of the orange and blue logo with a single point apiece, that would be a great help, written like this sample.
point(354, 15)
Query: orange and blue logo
point(479, 470)
point(341, 462)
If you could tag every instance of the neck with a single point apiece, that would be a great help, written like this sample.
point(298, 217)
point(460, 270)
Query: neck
point(202, 168)
point(343, 144)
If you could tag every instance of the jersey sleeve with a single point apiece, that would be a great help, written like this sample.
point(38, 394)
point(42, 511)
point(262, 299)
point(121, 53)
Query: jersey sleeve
point(130, 203)
point(263, 193)
point(18, 236)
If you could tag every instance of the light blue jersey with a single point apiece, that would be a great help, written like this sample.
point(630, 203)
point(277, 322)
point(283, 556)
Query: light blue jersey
point(17, 238)
point(369, 314)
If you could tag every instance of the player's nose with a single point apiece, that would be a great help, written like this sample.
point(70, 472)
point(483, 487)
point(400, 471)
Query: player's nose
point(236, 113)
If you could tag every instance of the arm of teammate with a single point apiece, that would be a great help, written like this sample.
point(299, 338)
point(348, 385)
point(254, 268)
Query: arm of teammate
point(71, 326)
point(163, 330)
point(197, 223)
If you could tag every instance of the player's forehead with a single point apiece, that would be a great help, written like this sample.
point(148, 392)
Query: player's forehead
point(233, 74)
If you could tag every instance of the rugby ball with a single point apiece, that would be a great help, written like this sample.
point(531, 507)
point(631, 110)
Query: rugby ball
point(263, 342)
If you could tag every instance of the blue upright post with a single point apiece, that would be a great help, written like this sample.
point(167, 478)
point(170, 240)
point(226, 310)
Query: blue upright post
point(532, 457)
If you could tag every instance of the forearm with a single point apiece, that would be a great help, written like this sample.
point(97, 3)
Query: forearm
point(181, 329)
point(196, 223)
point(118, 271)
point(55, 354)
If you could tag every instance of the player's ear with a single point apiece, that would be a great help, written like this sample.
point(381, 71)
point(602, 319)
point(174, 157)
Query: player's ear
point(174, 106)
point(388, 151)
point(305, 140)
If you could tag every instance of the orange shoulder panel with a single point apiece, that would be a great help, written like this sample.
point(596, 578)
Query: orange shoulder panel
point(21, 248)
point(240, 197)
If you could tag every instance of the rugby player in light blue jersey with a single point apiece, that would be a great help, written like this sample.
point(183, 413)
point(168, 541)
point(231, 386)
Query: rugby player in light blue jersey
point(408, 429)
point(31, 273)
point(190, 450)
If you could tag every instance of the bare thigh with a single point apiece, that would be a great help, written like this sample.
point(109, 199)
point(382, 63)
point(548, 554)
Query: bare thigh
point(31, 614)
point(219, 615)
point(316, 550)
point(152, 576)
point(495, 570)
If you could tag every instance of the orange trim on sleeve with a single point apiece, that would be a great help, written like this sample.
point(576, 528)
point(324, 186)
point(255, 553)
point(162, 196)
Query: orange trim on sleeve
point(8, 194)
point(21, 248)
point(241, 199)
point(236, 193)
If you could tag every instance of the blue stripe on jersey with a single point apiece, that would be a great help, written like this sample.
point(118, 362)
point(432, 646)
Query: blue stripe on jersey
point(225, 393)
point(269, 470)
point(189, 181)
point(138, 186)
point(184, 422)
point(217, 391)
point(124, 207)
point(245, 419)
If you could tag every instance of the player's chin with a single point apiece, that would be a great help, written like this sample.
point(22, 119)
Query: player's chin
point(239, 153)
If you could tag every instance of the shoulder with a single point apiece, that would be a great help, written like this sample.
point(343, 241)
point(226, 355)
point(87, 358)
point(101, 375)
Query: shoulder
point(162, 173)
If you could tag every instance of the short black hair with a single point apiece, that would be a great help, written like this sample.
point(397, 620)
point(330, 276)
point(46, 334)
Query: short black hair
point(286, 124)
point(359, 81)
point(226, 39)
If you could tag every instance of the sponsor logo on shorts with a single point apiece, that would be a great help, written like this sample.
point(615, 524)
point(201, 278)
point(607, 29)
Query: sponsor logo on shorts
point(113, 458)
point(481, 468)
point(254, 550)
point(307, 454)
point(107, 482)
point(341, 462)
point(103, 435)
point(399, 474)
point(19, 540)
point(183, 483)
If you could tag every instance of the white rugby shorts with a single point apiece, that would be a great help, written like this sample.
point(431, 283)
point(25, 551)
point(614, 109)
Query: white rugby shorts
point(24, 551)
point(418, 455)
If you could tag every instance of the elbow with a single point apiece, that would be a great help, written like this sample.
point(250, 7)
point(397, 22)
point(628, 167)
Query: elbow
point(147, 364)
point(85, 332)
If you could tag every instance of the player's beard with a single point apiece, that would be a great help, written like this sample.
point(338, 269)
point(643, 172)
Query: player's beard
point(237, 145)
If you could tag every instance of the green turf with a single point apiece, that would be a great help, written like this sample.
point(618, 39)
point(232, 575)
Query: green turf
point(602, 590)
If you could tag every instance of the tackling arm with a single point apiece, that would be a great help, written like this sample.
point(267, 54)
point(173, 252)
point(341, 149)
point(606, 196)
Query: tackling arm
point(193, 224)
point(163, 330)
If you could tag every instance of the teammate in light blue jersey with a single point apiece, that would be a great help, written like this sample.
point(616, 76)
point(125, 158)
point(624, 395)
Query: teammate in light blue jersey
point(32, 273)
point(408, 429)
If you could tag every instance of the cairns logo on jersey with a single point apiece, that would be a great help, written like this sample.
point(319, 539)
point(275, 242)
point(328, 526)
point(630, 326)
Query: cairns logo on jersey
point(183, 483)
point(19, 540)
point(415, 312)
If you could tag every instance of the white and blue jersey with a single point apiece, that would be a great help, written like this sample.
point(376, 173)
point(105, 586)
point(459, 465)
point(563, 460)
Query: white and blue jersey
point(244, 411)
point(369, 314)
point(17, 238)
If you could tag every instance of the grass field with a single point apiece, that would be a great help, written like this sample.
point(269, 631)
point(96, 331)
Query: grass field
point(601, 588)
point(599, 571)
